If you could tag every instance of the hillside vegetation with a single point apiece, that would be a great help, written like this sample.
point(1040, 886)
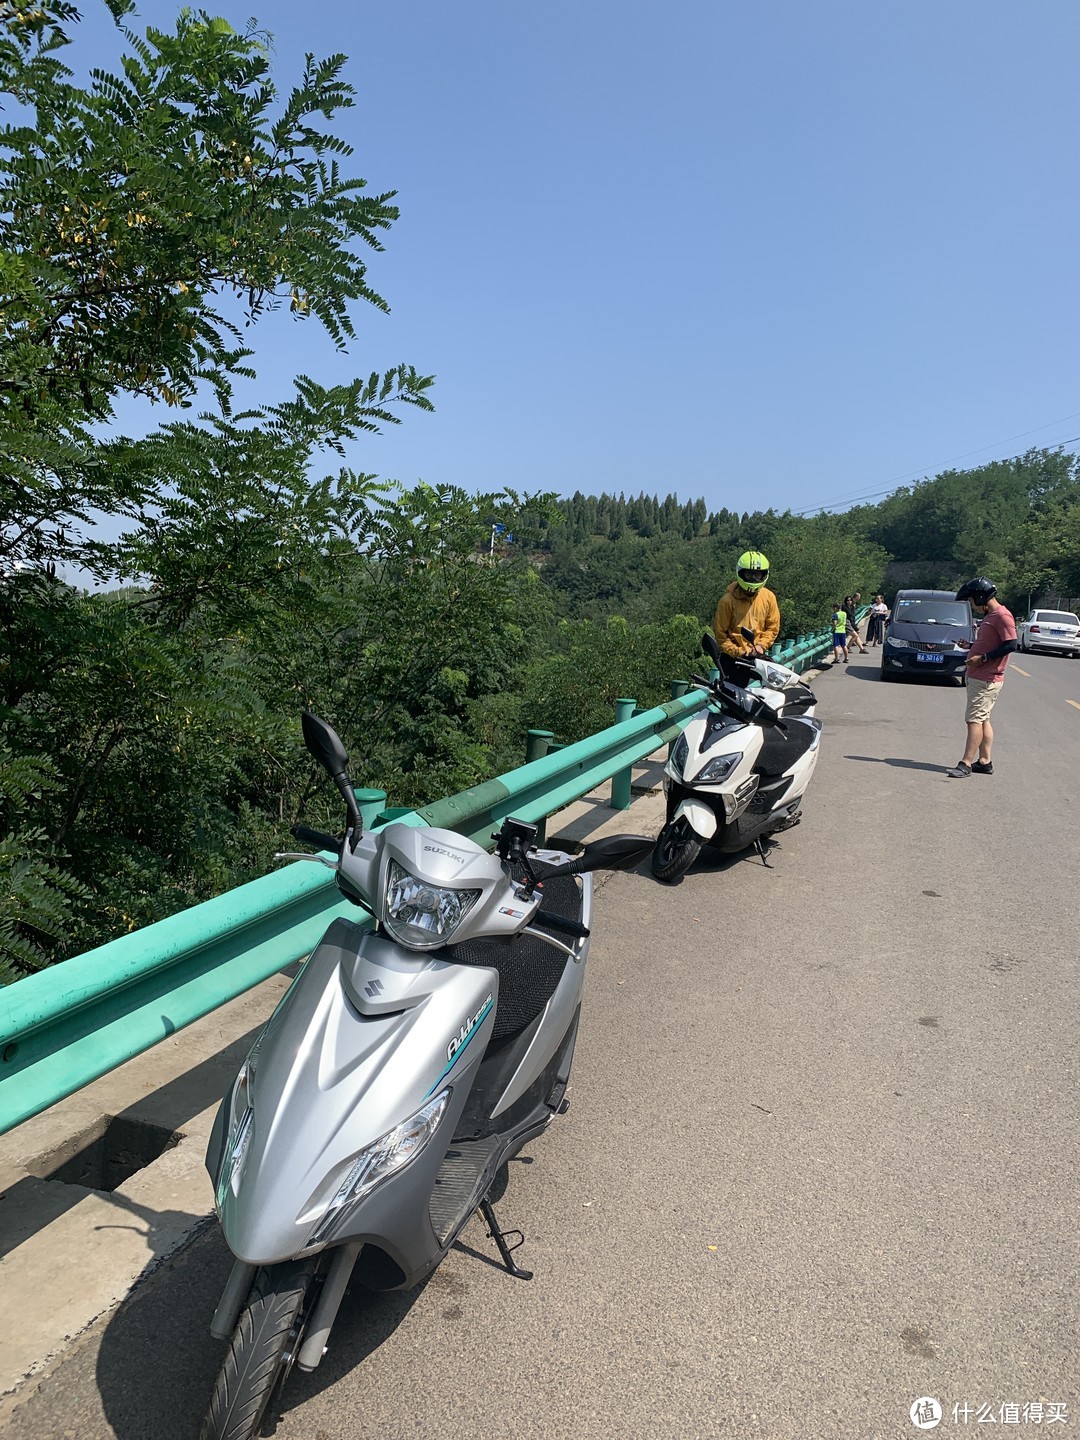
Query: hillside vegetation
point(150, 751)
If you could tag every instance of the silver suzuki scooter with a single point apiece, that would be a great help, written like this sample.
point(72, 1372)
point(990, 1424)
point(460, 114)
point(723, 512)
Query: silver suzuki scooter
point(739, 771)
point(406, 1064)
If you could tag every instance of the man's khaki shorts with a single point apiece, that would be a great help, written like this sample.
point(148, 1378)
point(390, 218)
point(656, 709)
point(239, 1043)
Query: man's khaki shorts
point(981, 695)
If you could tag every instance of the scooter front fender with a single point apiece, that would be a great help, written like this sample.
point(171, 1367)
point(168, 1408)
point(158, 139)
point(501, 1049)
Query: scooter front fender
point(701, 817)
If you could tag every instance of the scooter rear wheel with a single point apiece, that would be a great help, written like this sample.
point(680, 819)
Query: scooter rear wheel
point(261, 1351)
point(676, 849)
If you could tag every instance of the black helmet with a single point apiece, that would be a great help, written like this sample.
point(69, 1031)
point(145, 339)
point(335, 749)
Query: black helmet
point(979, 591)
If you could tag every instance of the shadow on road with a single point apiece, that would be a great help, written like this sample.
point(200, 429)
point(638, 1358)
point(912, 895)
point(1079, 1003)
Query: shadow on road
point(713, 862)
point(39, 1198)
point(865, 668)
point(158, 1361)
point(901, 764)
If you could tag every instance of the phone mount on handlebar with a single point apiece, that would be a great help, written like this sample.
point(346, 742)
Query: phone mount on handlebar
point(512, 844)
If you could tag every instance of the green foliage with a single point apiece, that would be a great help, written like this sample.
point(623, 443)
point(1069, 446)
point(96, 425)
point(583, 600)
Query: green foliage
point(1015, 520)
point(143, 216)
point(646, 577)
point(814, 563)
point(572, 691)
point(173, 710)
point(38, 898)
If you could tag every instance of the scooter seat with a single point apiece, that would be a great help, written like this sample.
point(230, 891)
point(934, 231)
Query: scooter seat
point(529, 968)
point(783, 747)
point(798, 699)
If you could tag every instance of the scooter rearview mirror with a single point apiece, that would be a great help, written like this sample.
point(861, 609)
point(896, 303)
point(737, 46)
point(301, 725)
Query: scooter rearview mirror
point(323, 744)
point(747, 635)
point(726, 664)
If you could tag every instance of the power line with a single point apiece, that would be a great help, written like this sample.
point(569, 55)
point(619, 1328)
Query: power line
point(914, 474)
point(852, 500)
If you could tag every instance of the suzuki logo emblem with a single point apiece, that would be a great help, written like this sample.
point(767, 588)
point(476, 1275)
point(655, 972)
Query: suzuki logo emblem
point(373, 988)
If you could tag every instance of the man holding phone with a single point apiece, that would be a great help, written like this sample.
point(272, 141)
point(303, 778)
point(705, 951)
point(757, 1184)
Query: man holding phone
point(995, 641)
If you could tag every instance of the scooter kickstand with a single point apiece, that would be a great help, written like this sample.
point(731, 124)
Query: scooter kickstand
point(759, 845)
point(500, 1237)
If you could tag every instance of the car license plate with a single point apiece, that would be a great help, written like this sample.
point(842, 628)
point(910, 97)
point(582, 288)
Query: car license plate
point(1056, 632)
point(931, 659)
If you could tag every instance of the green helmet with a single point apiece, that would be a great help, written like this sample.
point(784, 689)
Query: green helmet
point(752, 570)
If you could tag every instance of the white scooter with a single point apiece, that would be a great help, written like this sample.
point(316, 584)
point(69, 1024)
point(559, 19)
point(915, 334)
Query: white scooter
point(740, 769)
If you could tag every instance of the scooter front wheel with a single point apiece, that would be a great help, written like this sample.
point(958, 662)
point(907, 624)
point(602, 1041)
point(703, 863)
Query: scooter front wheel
point(676, 849)
point(261, 1351)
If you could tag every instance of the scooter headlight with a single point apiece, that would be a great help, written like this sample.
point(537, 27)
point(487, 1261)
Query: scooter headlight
point(679, 754)
point(241, 1125)
point(420, 915)
point(377, 1162)
point(718, 768)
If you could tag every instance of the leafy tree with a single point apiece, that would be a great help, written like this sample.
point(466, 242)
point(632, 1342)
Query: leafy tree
point(572, 691)
point(38, 898)
point(143, 219)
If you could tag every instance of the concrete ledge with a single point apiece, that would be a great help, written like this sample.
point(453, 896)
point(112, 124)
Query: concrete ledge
point(70, 1249)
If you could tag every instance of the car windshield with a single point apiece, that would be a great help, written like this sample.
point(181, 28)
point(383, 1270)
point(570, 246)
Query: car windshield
point(1054, 617)
point(932, 612)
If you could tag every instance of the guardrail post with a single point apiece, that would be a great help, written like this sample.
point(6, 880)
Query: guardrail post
point(541, 825)
point(620, 783)
point(371, 803)
point(537, 744)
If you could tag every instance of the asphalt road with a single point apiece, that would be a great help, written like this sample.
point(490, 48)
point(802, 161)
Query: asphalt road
point(822, 1154)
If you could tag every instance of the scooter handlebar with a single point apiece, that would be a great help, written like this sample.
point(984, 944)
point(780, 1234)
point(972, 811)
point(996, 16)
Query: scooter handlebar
point(755, 710)
point(607, 854)
point(562, 923)
point(316, 837)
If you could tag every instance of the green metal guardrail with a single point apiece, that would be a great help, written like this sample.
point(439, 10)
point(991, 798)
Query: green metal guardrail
point(72, 1023)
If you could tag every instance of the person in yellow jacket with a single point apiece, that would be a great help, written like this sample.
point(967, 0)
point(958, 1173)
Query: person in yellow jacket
point(747, 602)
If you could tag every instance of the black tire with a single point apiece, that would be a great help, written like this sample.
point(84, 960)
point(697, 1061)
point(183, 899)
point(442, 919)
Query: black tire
point(261, 1351)
point(886, 675)
point(676, 849)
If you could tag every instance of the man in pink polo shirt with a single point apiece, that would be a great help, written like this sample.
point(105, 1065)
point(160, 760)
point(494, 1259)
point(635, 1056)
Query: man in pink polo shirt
point(994, 642)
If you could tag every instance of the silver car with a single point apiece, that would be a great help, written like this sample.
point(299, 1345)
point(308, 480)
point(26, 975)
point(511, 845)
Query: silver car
point(1057, 630)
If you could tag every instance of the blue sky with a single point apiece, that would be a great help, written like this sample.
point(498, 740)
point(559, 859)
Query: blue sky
point(781, 253)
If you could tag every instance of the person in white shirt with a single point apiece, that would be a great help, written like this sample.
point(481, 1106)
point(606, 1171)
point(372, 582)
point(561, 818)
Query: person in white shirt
point(875, 632)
